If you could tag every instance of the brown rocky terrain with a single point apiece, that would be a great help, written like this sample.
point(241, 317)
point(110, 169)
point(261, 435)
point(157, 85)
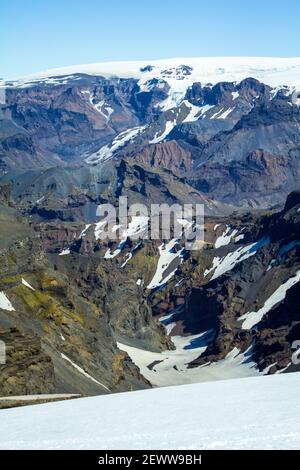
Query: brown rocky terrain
point(56, 324)
point(83, 303)
point(236, 129)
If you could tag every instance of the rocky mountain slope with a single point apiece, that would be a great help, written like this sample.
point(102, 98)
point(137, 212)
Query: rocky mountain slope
point(212, 122)
point(82, 315)
point(79, 308)
point(58, 336)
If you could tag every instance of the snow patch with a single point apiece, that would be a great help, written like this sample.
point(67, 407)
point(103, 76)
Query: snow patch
point(239, 238)
point(253, 318)
point(25, 283)
point(167, 255)
point(215, 115)
point(225, 114)
point(64, 252)
point(5, 303)
point(45, 396)
point(235, 365)
point(227, 263)
point(171, 366)
point(226, 236)
point(83, 372)
point(98, 229)
point(107, 151)
point(83, 232)
point(168, 128)
point(38, 201)
point(135, 229)
point(194, 112)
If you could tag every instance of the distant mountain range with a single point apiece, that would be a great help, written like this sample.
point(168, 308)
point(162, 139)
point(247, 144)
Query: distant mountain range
point(83, 316)
point(213, 122)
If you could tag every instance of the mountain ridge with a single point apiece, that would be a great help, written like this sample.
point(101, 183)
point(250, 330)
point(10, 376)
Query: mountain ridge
point(260, 66)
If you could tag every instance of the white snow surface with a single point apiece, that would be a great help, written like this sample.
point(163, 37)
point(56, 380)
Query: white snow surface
point(38, 201)
point(42, 396)
point(274, 71)
point(194, 112)
point(65, 252)
point(107, 151)
point(252, 318)
point(227, 263)
point(239, 238)
point(226, 236)
point(215, 115)
point(171, 367)
point(98, 229)
point(135, 228)
point(249, 413)
point(168, 127)
point(225, 114)
point(167, 255)
point(5, 303)
point(25, 283)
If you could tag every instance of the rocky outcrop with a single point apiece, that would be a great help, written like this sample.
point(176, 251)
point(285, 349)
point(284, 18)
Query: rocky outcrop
point(28, 369)
point(168, 155)
point(59, 335)
point(220, 303)
point(72, 304)
point(263, 147)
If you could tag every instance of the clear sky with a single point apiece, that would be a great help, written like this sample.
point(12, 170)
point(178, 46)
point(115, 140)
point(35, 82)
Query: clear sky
point(40, 34)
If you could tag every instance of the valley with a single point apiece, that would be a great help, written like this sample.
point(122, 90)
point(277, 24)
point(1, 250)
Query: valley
point(86, 316)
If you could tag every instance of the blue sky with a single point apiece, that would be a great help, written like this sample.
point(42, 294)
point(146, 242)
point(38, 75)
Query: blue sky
point(40, 34)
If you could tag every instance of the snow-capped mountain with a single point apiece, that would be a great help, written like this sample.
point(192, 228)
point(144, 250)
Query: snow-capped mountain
point(182, 72)
point(188, 116)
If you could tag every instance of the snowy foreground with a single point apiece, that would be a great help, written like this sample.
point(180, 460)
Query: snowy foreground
point(249, 413)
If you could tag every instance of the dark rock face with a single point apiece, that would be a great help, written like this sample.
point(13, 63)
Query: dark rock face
point(63, 122)
point(293, 199)
point(28, 369)
point(241, 129)
point(73, 193)
point(254, 163)
point(60, 320)
point(229, 146)
point(218, 304)
point(167, 155)
point(80, 304)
